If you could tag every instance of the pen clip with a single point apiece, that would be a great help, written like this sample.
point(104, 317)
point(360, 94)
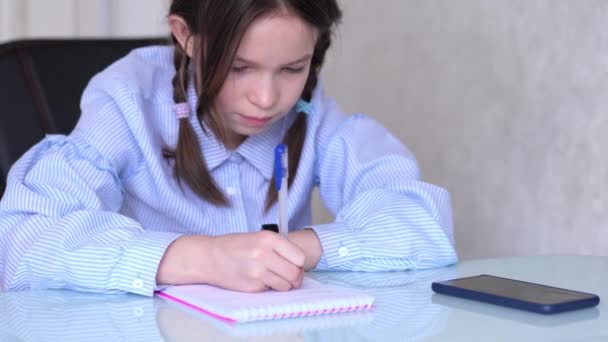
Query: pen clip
point(280, 165)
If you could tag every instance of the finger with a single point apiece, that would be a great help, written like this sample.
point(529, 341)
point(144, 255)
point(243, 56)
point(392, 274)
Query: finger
point(283, 268)
point(289, 251)
point(275, 282)
point(300, 280)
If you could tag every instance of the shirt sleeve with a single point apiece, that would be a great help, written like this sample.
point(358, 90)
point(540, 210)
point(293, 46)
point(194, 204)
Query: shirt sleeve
point(386, 217)
point(60, 225)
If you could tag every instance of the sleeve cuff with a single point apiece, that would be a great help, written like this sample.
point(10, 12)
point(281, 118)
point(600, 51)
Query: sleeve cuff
point(136, 271)
point(339, 245)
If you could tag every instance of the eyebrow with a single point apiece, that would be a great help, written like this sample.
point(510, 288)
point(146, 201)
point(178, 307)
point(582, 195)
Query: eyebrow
point(299, 60)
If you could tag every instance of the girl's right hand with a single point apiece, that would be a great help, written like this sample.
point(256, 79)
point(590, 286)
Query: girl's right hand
point(248, 262)
point(253, 262)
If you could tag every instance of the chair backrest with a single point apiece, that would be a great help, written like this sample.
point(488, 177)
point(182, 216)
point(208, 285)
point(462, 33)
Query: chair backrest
point(41, 85)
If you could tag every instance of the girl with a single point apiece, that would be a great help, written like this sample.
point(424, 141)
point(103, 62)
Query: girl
point(167, 176)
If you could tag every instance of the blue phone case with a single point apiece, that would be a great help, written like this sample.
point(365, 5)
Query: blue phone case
point(446, 288)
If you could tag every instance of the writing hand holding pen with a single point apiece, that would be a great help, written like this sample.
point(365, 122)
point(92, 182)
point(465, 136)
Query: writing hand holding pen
point(246, 262)
point(249, 262)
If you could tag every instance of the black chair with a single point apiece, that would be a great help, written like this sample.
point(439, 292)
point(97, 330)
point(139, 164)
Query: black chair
point(41, 85)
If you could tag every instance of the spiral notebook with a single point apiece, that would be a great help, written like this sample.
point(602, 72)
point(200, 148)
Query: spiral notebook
point(311, 299)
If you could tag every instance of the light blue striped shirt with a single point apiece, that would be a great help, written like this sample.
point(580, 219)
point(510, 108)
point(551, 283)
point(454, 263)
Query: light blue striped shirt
point(95, 211)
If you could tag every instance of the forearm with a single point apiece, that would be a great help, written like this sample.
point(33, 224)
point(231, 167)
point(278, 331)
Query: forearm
point(386, 230)
point(85, 251)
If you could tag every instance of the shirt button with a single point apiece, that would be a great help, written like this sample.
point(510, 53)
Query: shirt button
point(231, 190)
point(343, 251)
point(137, 283)
point(138, 312)
point(237, 158)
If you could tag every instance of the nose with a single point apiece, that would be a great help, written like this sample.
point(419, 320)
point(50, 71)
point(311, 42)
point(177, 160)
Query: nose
point(265, 93)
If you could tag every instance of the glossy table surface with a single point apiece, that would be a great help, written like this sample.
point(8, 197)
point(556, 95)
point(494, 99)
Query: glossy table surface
point(406, 310)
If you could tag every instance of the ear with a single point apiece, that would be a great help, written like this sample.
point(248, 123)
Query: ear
point(181, 32)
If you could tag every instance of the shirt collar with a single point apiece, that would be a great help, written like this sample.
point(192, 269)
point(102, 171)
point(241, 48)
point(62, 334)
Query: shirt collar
point(257, 150)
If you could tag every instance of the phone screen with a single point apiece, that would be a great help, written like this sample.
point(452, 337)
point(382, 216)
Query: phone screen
point(518, 289)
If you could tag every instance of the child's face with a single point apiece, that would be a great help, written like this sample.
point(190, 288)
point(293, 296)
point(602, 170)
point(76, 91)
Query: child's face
point(268, 74)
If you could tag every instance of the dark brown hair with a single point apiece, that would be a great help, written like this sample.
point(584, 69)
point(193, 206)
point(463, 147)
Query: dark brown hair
point(219, 26)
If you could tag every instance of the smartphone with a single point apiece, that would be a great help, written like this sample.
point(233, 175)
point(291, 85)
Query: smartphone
point(516, 294)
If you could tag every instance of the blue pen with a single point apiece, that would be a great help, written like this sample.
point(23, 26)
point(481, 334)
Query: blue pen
point(281, 172)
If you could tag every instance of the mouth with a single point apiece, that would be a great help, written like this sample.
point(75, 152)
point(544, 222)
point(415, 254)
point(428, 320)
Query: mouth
point(254, 121)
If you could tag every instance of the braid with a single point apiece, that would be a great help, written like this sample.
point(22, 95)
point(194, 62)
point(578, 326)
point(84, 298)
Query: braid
point(296, 135)
point(190, 165)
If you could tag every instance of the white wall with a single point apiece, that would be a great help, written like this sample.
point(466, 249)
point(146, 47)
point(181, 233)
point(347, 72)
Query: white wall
point(502, 101)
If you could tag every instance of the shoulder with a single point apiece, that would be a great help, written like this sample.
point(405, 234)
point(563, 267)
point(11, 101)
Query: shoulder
point(135, 88)
point(121, 105)
point(327, 117)
point(331, 126)
point(142, 73)
point(325, 113)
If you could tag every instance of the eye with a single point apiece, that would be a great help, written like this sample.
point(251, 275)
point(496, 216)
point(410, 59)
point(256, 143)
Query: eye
point(294, 70)
point(238, 68)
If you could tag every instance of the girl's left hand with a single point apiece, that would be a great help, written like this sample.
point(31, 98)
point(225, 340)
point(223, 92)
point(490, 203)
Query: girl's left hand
point(309, 242)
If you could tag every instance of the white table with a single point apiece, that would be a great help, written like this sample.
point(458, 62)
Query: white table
point(406, 310)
